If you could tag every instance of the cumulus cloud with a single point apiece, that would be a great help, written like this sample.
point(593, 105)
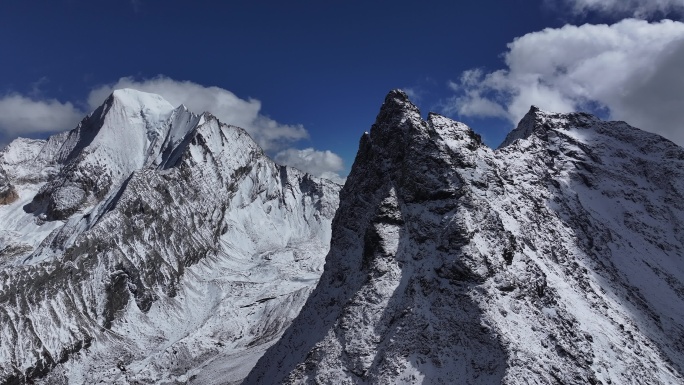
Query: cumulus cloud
point(325, 164)
point(632, 69)
point(635, 8)
point(225, 105)
point(21, 115)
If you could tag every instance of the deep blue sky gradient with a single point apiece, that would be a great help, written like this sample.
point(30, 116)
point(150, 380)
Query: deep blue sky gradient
point(324, 64)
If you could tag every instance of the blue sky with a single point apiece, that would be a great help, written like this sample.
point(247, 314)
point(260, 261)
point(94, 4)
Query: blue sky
point(320, 70)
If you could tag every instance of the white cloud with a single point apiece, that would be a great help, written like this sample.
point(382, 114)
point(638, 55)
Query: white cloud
point(21, 115)
point(225, 105)
point(472, 102)
point(632, 68)
point(325, 164)
point(636, 8)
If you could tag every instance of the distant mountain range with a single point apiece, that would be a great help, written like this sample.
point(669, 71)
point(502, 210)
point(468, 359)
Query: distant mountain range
point(152, 245)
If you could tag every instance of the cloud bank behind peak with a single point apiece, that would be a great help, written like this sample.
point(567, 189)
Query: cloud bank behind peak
point(30, 116)
point(631, 69)
point(222, 103)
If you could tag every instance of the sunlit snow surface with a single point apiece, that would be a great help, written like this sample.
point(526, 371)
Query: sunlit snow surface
point(164, 247)
point(557, 258)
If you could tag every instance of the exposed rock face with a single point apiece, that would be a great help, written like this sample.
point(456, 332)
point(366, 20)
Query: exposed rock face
point(556, 259)
point(152, 245)
point(130, 131)
point(8, 193)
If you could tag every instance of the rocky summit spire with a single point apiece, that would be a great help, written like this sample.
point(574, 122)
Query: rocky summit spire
point(397, 121)
point(396, 106)
point(453, 263)
point(385, 294)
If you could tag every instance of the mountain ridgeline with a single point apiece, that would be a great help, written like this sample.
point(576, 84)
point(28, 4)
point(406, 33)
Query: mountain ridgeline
point(153, 245)
point(555, 259)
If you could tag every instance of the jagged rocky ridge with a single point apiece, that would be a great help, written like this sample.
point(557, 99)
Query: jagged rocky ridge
point(151, 245)
point(555, 259)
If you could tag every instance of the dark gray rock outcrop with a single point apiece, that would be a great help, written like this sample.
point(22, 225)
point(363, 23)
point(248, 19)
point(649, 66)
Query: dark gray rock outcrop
point(556, 259)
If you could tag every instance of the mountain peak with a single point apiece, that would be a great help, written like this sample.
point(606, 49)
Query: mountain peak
point(128, 132)
point(535, 109)
point(127, 93)
point(527, 126)
point(398, 100)
point(452, 263)
point(128, 98)
point(147, 220)
point(397, 93)
point(538, 121)
point(397, 118)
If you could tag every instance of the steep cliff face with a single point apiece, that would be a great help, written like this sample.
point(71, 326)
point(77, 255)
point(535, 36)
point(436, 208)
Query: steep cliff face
point(8, 193)
point(556, 258)
point(130, 131)
point(156, 244)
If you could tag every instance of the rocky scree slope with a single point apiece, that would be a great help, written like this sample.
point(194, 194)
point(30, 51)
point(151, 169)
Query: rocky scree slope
point(151, 245)
point(555, 259)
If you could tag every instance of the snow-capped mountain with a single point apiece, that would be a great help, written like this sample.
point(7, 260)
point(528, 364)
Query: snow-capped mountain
point(556, 259)
point(151, 245)
point(154, 245)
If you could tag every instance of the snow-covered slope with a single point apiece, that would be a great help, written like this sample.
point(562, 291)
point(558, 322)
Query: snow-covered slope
point(555, 259)
point(152, 245)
